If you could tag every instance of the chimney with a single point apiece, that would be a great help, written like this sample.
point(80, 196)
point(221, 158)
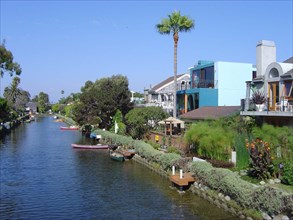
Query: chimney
point(265, 55)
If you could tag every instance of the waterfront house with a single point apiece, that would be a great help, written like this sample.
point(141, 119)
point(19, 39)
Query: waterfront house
point(275, 80)
point(214, 84)
point(162, 94)
point(31, 107)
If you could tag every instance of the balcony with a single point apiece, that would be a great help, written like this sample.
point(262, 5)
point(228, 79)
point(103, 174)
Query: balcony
point(198, 84)
point(205, 84)
point(281, 109)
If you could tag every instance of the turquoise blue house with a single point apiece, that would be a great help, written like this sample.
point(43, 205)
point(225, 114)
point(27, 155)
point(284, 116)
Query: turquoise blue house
point(214, 84)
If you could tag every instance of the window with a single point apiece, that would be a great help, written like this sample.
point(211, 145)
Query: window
point(273, 73)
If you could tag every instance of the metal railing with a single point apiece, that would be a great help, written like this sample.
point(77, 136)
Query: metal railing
point(198, 84)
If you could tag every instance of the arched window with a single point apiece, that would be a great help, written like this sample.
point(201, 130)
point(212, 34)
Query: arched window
point(273, 73)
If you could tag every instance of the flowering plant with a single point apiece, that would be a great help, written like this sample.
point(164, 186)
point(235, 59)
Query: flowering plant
point(260, 159)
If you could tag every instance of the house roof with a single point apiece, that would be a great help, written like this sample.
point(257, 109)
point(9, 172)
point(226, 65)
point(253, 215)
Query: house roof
point(290, 72)
point(210, 112)
point(166, 81)
point(290, 60)
point(31, 105)
point(171, 120)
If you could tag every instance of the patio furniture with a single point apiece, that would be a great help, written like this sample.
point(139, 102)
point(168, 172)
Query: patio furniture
point(284, 106)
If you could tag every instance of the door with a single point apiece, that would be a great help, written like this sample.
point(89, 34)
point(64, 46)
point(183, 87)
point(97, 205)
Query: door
point(273, 92)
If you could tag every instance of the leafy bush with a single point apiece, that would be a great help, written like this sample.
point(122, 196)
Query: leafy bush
point(287, 173)
point(173, 149)
point(224, 181)
point(278, 137)
point(272, 200)
point(168, 160)
point(216, 175)
point(211, 140)
point(154, 145)
point(242, 161)
point(238, 189)
point(244, 193)
point(202, 170)
point(260, 165)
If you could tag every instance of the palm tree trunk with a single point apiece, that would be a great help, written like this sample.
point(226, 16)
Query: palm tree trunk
point(176, 38)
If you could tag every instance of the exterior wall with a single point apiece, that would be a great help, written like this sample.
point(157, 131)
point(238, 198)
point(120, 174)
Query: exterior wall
point(207, 97)
point(265, 54)
point(230, 77)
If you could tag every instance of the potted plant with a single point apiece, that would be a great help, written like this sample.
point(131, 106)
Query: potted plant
point(259, 99)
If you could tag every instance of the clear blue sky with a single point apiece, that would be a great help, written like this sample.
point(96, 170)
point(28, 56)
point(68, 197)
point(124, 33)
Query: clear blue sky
point(62, 44)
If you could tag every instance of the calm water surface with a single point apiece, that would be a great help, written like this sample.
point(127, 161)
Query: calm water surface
point(42, 177)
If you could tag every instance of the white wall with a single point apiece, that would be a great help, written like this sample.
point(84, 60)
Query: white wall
point(231, 82)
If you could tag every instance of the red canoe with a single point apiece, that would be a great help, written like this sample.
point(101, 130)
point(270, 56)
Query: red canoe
point(69, 128)
point(98, 146)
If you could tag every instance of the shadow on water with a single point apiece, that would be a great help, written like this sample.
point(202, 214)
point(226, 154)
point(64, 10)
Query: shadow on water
point(43, 177)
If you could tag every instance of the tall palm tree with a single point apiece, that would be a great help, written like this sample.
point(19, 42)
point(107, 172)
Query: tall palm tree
point(12, 92)
point(174, 24)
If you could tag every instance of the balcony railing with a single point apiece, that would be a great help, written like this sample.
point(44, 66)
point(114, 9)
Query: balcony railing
point(205, 84)
point(282, 108)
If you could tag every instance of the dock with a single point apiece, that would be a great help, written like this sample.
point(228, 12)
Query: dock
point(128, 154)
point(186, 180)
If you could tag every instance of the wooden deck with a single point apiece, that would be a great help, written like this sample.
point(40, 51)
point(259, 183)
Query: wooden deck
point(126, 153)
point(186, 180)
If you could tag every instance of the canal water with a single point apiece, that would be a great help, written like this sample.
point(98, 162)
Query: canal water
point(42, 177)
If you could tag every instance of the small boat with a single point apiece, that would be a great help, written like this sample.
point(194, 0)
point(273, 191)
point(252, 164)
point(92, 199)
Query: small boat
point(113, 146)
point(84, 146)
point(69, 128)
point(117, 156)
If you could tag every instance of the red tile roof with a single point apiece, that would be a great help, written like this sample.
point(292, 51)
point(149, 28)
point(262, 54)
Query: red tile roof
point(210, 112)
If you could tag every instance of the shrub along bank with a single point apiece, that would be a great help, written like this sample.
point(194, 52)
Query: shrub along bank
point(247, 195)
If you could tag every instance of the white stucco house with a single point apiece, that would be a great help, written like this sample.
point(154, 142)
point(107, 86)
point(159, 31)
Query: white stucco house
point(275, 80)
point(162, 94)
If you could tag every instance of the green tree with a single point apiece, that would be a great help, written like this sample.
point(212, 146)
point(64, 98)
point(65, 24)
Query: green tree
point(68, 110)
point(100, 100)
point(7, 65)
point(141, 120)
point(22, 100)
point(118, 118)
point(43, 102)
point(69, 99)
point(12, 92)
point(35, 99)
point(138, 95)
point(174, 24)
point(4, 110)
point(56, 107)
